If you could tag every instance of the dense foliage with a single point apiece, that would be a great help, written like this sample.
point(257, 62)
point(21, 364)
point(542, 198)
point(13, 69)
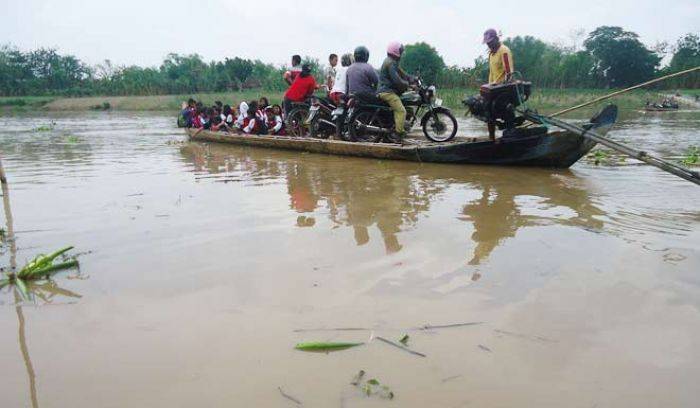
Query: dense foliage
point(610, 57)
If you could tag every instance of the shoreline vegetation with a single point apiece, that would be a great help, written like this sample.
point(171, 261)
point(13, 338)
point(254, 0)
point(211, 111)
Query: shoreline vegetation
point(544, 100)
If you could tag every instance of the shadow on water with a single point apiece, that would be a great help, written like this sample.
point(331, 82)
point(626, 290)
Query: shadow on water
point(392, 196)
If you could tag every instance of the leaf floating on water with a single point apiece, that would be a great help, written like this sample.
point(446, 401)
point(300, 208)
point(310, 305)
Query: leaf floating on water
point(404, 340)
point(358, 377)
point(373, 381)
point(325, 346)
point(22, 288)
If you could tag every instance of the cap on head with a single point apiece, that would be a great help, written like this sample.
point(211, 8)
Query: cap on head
point(490, 35)
point(395, 49)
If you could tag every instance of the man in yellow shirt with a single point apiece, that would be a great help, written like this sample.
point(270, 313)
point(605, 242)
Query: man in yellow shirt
point(500, 65)
point(500, 58)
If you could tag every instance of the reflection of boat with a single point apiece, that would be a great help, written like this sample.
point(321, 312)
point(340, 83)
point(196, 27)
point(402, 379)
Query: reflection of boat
point(548, 149)
point(392, 196)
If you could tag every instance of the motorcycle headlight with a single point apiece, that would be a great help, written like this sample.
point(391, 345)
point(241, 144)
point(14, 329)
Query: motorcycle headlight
point(432, 90)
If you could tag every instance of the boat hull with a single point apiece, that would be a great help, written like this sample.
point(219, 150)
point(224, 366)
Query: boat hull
point(558, 149)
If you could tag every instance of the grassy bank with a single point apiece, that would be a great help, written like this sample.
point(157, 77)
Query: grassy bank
point(544, 100)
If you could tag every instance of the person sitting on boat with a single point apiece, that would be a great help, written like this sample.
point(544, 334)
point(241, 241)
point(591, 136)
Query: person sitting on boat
point(275, 124)
point(393, 82)
point(500, 65)
point(302, 88)
point(340, 81)
point(361, 77)
point(242, 114)
point(228, 116)
point(201, 121)
point(251, 124)
point(292, 74)
point(261, 116)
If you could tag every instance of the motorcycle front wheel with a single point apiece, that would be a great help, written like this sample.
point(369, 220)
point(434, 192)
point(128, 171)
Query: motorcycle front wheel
point(439, 125)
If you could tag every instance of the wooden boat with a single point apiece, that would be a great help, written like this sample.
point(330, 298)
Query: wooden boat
point(548, 149)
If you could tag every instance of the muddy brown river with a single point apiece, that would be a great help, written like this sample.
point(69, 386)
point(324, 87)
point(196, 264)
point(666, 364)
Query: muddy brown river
point(201, 267)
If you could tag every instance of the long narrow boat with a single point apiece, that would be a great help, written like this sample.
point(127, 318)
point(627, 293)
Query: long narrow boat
point(547, 149)
point(660, 109)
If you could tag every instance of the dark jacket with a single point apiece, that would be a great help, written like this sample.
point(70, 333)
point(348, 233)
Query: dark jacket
point(392, 78)
point(362, 79)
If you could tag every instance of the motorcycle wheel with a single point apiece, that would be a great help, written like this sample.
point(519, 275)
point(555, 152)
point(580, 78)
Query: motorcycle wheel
point(357, 134)
point(440, 125)
point(320, 130)
point(295, 122)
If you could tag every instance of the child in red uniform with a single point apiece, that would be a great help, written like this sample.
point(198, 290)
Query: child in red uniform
point(275, 124)
point(251, 124)
point(302, 88)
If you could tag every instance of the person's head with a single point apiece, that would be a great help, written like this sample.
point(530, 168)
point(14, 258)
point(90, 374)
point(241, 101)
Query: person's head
point(252, 107)
point(296, 60)
point(227, 110)
point(209, 112)
point(305, 70)
point(394, 50)
point(276, 110)
point(333, 59)
point(346, 60)
point(191, 103)
point(199, 107)
point(491, 39)
point(361, 54)
point(263, 102)
point(218, 104)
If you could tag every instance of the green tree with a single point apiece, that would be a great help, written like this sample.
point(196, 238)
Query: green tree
point(686, 55)
point(423, 60)
point(619, 58)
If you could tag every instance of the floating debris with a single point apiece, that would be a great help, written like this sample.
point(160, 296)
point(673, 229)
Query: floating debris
point(325, 346)
point(289, 397)
point(453, 377)
point(448, 326)
point(372, 387)
point(358, 377)
point(481, 346)
point(400, 346)
point(404, 340)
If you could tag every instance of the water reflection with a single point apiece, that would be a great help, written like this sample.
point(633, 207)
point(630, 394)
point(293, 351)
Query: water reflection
point(392, 196)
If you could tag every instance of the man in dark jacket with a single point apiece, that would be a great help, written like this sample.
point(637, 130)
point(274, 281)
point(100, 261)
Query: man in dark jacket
point(393, 81)
point(362, 78)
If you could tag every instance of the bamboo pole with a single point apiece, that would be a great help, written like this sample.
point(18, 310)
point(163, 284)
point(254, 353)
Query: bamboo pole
point(620, 92)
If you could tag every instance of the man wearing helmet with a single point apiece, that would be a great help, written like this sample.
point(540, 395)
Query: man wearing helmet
point(362, 78)
point(393, 81)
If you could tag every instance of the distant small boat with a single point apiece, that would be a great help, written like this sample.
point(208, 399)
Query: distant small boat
point(559, 149)
point(660, 108)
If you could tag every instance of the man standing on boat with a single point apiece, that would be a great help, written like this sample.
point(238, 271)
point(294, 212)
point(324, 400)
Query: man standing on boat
point(500, 65)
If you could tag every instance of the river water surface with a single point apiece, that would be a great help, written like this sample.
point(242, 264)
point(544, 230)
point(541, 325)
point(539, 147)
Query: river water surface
point(202, 266)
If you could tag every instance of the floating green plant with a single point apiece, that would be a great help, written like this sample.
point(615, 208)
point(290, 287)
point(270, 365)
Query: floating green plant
point(38, 268)
point(325, 346)
point(692, 156)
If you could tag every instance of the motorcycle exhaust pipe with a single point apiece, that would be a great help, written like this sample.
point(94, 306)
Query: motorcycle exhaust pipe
point(374, 129)
point(327, 122)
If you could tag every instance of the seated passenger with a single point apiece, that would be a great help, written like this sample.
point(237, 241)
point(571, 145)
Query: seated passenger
point(393, 81)
point(302, 88)
point(251, 124)
point(242, 114)
point(275, 124)
point(228, 117)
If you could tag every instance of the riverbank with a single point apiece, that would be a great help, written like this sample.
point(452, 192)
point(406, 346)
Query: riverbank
point(545, 100)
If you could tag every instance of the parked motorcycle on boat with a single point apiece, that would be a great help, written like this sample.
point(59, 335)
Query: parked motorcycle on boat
point(372, 120)
point(320, 120)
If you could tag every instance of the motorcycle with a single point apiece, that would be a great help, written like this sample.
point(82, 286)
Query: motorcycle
point(372, 120)
point(320, 121)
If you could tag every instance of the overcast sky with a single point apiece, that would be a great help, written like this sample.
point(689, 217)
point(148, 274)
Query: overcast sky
point(142, 32)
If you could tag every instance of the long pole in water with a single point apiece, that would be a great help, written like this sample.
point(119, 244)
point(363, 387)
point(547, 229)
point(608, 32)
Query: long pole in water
point(620, 92)
point(682, 172)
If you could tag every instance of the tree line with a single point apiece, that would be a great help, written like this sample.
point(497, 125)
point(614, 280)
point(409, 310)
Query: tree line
point(609, 57)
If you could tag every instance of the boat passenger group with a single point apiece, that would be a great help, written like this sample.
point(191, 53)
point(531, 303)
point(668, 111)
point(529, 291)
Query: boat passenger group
point(355, 76)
